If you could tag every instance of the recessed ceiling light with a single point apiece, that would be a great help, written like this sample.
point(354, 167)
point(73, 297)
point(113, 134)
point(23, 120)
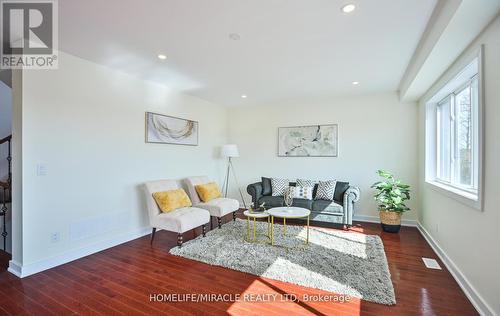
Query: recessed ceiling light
point(348, 8)
point(162, 57)
point(355, 83)
point(234, 36)
point(243, 96)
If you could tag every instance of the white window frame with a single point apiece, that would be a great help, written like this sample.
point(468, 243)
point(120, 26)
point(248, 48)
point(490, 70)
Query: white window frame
point(448, 87)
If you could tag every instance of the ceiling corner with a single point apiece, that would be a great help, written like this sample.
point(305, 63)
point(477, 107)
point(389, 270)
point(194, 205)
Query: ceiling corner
point(439, 20)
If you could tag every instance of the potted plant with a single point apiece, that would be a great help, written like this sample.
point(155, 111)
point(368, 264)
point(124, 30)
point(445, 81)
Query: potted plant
point(391, 195)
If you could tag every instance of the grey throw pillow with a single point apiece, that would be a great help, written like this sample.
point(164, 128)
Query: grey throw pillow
point(266, 186)
point(340, 189)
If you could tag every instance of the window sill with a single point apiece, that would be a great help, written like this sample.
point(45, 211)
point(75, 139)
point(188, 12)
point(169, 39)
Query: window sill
point(464, 197)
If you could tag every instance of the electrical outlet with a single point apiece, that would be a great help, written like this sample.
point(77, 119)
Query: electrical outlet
point(41, 170)
point(55, 237)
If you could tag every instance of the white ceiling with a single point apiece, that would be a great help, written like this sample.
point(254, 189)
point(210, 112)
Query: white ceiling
point(288, 49)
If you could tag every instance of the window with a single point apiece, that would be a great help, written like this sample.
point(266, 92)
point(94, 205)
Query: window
point(456, 135)
point(453, 136)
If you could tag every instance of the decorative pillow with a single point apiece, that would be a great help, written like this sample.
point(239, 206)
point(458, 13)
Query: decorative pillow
point(326, 190)
point(279, 186)
point(340, 189)
point(305, 183)
point(208, 191)
point(302, 192)
point(266, 186)
point(171, 200)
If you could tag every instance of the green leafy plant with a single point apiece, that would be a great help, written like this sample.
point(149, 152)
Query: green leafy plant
point(391, 193)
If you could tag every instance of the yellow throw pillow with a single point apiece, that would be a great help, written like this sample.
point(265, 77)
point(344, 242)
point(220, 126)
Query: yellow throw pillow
point(171, 200)
point(208, 191)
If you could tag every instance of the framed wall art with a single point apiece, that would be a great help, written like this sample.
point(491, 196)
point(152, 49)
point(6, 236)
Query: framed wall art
point(165, 129)
point(308, 141)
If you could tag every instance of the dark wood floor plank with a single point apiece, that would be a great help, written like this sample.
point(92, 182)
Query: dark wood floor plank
point(123, 283)
point(9, 307)
point(87, 297)
point(26, 302)
point(118, 281)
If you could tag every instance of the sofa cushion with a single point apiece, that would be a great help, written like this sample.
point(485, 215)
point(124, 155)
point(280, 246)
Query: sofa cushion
point(325, 206)
point(340, 189)
point(302, 203)
point(266, 186)
point(272, 201)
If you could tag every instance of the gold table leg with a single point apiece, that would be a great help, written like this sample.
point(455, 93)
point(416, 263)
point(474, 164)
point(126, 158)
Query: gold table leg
point(248, 228)
point(307, 239)
point(254, 234)
point(272, 230)
point(284, 226)
point(268, 227)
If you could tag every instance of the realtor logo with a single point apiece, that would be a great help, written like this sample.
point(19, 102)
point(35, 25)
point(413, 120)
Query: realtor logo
point(28, 34)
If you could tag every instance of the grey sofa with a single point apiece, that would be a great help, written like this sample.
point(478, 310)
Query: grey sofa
point(339, 211)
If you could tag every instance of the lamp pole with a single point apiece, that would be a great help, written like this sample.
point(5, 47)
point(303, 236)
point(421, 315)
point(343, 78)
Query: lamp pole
point(226, 181)
point(230, 168)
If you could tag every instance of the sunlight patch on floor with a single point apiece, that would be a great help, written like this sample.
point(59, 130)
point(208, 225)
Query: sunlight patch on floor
point(323, 237)
point(283, 267)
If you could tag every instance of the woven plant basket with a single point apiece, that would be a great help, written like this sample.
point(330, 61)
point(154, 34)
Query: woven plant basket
point(390, 218)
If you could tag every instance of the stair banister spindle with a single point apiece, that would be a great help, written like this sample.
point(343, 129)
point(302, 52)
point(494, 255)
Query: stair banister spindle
point(6, 190)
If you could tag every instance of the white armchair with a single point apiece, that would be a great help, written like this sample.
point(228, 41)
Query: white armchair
point(217, 207)
point(180, 220)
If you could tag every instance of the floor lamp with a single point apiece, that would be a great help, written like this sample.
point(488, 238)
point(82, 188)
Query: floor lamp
point(231, 151)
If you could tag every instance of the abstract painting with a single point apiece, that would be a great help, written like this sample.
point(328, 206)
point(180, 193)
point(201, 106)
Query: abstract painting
point(166, 129)
point(308, 141)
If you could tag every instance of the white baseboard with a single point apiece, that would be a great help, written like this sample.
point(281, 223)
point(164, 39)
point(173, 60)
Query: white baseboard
point(477, 301)
point(32, 268)
point(14, 268)
point(376, 219)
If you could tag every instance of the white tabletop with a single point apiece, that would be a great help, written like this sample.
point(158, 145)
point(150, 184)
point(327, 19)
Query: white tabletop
point(289, 212)
point(256, 214)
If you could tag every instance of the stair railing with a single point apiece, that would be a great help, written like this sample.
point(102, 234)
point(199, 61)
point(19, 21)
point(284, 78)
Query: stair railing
point(6, 190)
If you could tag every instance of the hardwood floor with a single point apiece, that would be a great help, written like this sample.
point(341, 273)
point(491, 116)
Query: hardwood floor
point(4, 260)
point(120, 280)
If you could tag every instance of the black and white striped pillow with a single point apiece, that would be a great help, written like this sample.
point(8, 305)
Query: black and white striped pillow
point(279, 186)
point(326, 190)
point(305, 183)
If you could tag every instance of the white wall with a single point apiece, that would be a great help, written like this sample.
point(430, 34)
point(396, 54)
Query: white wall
point(17, 170)
point(375, 132)
point(86, 123)
point(470, 237)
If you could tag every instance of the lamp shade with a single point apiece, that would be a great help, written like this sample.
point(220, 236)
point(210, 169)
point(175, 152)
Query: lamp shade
point(230, 150)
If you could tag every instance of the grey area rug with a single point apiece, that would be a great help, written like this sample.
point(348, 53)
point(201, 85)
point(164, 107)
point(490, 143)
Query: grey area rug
point(345, 263)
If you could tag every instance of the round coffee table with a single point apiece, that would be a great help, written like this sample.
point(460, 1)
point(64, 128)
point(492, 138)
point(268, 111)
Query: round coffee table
point(288, 212)
point(254, 216)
